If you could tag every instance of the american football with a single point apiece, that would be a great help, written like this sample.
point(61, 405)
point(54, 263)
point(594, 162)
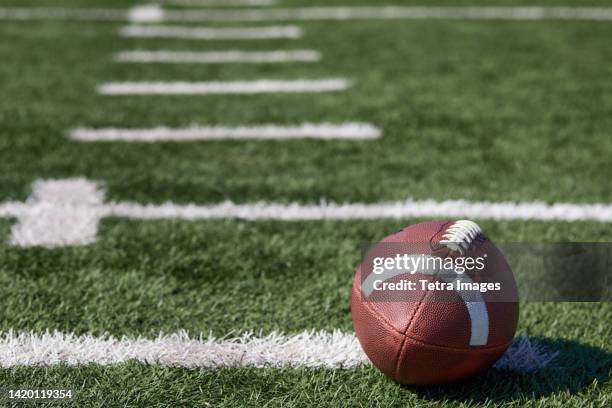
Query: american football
point(432, 341)
point(306, 203)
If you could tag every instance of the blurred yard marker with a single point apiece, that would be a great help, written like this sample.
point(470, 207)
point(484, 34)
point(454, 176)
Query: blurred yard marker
point(262, 132)
point(148, 14)
point(393, 13)
point(219, 87)
point(66, 14)
point(221, 3)
point(218, 57)
point(352, 211)
point(211, 33)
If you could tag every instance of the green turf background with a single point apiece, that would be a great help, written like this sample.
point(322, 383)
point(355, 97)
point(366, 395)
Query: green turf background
point(143, 278)
point(220, 276)
point(472, 110)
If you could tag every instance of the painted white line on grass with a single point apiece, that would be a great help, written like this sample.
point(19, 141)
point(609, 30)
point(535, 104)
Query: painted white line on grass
point(67, 14)
point(218, 57)
point(394, 13)
point(402, 209)
point(59, 213)
point(314, 13)
point(307, 349)
point(231, 87)
point(356, 131)
point(148, 13)
point(210, 33)
point(66, 212)
point(221, 3)
point(13, 209)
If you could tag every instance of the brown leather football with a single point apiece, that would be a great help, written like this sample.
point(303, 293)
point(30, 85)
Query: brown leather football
point(430, 336)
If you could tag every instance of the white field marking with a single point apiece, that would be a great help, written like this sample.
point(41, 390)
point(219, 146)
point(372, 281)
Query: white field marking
point(307, 349)
point(221, 3)
point(400, 209)
point(304, 131)
point(12, 209)
point(219, 87)
point(394, 13)
point(218, 57)
point(314, 13)
point(59, 213)
point(147, 13)
point(210, 33)
point(67, 14)
point(67, 212)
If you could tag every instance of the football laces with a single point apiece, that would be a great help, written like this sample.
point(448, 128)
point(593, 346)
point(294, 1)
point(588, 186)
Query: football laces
point(459, 236)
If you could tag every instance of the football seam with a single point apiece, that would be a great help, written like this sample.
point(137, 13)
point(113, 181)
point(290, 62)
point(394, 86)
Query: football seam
point(382, 319)
point(471, 349)
point(386, 321)
point(398, 359)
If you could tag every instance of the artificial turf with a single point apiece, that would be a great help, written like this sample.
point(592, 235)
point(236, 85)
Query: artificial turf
point(473, 110)
point(147, 277)
point(143, 278)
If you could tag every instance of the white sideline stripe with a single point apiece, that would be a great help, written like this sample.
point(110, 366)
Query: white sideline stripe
point(218, 57)
point(221, 3)
point(307, 349)
point(303, 131)
point(209, 33)
point(58, 213)
point(218, 87)
point(67, 212)
point(151, 14)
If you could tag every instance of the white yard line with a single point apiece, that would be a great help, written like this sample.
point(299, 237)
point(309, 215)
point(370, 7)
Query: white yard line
point(206, 33)
point(394, 13)
point(67, 212)
point(304, 131)
point(307, 349)
point(218, 57)
point(219, 87)
point(156, 14)
point(401, 209)
point(221, 3)
point(66, 14)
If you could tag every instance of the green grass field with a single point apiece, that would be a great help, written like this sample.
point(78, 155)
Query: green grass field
point(475, 110)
